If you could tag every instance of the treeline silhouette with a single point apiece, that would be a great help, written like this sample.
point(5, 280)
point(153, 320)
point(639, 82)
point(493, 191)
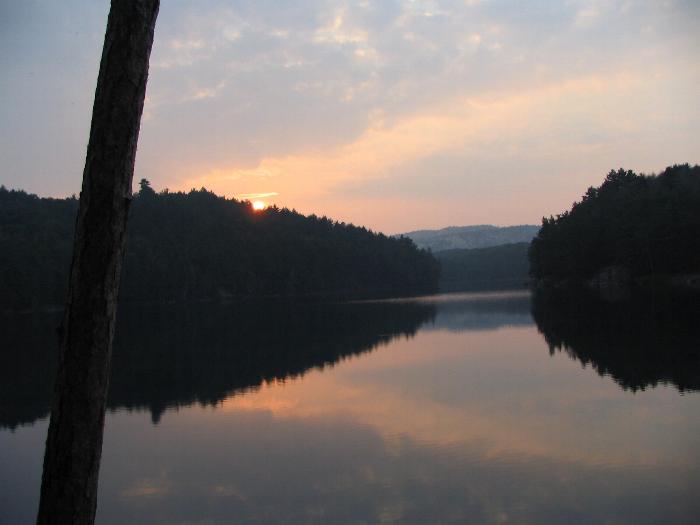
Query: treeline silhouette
point(641, 342)
point(177, 355)
point(494, 268)
point(644, 225)
point(198, 245)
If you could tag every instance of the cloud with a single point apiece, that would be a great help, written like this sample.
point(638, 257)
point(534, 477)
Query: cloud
point(488, 155)
point(587, 15)
point(251, 196)
point(337, 32)
point(319, 95)
point(463, 124)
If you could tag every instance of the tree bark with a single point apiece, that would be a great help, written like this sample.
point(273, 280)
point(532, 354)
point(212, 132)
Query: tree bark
point(74, 442)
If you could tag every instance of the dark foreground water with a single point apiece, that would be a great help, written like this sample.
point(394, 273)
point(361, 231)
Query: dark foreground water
point(452, 409)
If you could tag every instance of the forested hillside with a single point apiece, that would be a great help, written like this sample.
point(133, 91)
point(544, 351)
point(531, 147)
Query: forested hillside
point(198, 245)
point(497, 267)
point(634, 225)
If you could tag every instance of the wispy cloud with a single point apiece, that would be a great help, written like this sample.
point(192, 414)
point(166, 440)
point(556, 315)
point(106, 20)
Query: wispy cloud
point(250, 196)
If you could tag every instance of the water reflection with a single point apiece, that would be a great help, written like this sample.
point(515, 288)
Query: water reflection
point(468, 421)
point(28, 356)
point(258, 467)
point(170, 356)
point(639, 342)
point(481, 311)
point(451, 411)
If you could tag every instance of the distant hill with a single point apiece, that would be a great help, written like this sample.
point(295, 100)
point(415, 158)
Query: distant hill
point(464, 237)
point(493, 268)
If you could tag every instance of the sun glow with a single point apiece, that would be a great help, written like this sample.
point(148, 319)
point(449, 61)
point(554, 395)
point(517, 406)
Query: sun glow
point(258, 205)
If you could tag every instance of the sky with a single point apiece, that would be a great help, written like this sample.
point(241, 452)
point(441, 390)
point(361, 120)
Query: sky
point(395, 115)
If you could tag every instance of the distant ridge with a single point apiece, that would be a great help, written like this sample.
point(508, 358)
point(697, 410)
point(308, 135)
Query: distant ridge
point(478, 236)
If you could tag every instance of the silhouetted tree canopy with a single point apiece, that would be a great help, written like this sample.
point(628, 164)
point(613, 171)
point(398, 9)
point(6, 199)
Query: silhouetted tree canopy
point(643, 224)
point(198, 245)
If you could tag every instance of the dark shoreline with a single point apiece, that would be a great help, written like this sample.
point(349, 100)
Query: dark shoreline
point(617, 284)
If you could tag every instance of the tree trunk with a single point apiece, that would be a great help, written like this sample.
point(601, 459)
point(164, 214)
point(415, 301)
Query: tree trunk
point(74, 442)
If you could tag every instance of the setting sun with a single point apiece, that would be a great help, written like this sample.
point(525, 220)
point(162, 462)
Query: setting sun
point(258, 205)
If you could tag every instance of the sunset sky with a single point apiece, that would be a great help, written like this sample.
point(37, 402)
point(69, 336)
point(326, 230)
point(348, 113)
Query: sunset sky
point(397, 115)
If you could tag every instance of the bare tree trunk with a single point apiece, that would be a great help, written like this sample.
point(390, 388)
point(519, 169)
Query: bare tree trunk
point(74, 442)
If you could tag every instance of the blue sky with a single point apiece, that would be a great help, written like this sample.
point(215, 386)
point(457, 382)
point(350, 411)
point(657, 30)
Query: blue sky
point(397, 115)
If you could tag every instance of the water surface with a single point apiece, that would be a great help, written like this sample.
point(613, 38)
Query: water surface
point(448, 409)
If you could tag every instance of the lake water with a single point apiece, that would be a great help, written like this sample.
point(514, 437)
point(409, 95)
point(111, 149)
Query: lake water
point(465, 408)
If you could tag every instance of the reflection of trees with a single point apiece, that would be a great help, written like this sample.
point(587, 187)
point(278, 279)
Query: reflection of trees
point(640, 342)
point(177, 355)
point(28, 357)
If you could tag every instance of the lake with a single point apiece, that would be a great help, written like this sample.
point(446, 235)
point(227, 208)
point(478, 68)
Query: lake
point(460, 408)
